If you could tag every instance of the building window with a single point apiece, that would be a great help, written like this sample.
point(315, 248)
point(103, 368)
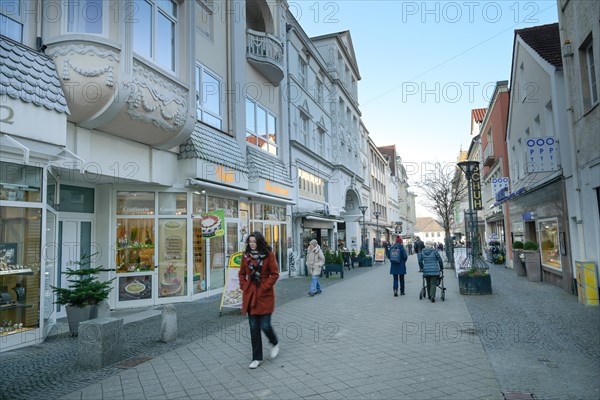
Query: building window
point(208, 95)
point(591, 85)
point(85, 16)
point(549, 243)
point(321, 142)
point(304, 128)
point(311, 186)
point(11, 28)
point(302, 71)
point(261, 127)
point(319, 93)
point(154, 31)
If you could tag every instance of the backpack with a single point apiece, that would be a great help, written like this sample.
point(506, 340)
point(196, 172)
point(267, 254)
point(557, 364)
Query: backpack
point(395, 254)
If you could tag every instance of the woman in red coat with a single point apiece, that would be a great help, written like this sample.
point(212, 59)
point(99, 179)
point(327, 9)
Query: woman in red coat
point(258, 273)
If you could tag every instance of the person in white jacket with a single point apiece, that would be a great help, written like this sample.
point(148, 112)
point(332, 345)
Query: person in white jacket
point(314, 263)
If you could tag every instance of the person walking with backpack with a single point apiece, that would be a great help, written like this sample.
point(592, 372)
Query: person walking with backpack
point(431, 263)
point(314, 263)
point(398, 257)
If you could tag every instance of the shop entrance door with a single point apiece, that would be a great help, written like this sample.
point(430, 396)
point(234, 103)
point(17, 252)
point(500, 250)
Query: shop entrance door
point(74, 241)
point(273, 237)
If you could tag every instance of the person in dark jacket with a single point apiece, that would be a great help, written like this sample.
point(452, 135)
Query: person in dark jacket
point(398, 268)
point(258, 273)
point(431, 263)
point(419, 245)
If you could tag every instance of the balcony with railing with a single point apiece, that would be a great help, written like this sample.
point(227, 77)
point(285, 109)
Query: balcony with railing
point(265, 53)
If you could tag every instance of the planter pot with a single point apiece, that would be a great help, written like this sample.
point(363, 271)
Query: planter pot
point(75, 315)
point(366, 262)
point(518, 263)
point(330, 268)
point(475, 284)
point(533, 265)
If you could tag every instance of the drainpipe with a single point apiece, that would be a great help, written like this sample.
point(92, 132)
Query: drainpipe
point(288, 28)
point(39, 43)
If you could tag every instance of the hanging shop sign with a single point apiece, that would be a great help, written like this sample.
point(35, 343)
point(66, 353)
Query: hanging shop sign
point(500, 187)
point(476, 189)
point(212, 224)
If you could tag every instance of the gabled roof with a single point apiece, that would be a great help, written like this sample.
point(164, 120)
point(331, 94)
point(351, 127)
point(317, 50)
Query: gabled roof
point(345, 39)
point(30, 77)
point(544, 40)
point(427, 224)
point(390, 152)
point(478, 114)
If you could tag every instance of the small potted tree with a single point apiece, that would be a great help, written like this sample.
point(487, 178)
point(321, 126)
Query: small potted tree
point(84, 293)
point(533, 263)
point(517, 261)
point(334, 262)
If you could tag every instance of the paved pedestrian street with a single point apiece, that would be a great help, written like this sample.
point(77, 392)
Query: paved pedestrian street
point(353, 341)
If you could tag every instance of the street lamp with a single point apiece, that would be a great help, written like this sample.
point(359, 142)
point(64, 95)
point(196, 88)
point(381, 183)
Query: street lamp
point(468, 167)
point(363, 209)
point(377, 214)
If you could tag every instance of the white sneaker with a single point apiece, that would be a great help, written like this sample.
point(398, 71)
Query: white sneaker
point(275, 351)
point(254, 364)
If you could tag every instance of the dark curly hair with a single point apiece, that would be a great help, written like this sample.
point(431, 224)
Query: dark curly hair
point(261, 244)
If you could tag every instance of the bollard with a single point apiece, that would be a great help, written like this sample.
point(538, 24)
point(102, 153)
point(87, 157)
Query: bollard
point(168, 325)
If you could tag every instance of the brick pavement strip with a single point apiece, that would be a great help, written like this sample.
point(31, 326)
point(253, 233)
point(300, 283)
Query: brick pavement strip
point(355, 341)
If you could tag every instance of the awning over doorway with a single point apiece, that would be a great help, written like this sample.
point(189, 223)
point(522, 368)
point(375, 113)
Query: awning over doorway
point(29, 148)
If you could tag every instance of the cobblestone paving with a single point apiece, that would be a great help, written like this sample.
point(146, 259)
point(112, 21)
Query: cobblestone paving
point(49, 370)
point(538, 338)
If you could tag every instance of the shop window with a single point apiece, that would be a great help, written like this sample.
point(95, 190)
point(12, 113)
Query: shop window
point(20, 182)
point(229, 206)
point(549, 243)
point(76, 199)
point(199, 250)
point(198, 203)
point(20, 249)
point(172, 203)
point(135, 203)
point(172, 257)
point(135, 245)
point(51, 191)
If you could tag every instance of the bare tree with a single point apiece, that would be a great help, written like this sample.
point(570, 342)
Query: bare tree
point(444, 189)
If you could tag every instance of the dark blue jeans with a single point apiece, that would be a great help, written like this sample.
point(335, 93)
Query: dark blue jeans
point(396, 276)
point(258, 323)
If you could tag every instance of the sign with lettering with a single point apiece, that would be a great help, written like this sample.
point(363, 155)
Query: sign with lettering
point(499, 184)
point(542, 155)
point(476, 189)
point(224, 175)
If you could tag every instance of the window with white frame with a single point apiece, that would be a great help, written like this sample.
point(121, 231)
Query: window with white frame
point(261, 127)
point(548, 236)
point(205, 10)
point(208, 95)
point(319, 93)
point(321, 142)
point(302, 71)
point(310, 185)
point(304, 128)
point(154, 31)
point(11, 25)
point(590, 64)
point(85, 16)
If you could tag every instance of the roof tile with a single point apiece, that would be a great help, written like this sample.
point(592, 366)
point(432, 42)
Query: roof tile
point(266, 166)
point(545, 40)
point(30, 76)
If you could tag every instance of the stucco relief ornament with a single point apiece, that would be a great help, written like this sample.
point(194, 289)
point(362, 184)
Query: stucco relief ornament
point(88, 73)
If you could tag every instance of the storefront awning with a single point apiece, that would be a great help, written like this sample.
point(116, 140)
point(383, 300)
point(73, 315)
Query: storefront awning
point(315, 218)
point(29, 148)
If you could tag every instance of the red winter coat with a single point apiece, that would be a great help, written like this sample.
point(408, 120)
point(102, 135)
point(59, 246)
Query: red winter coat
point(259, 299)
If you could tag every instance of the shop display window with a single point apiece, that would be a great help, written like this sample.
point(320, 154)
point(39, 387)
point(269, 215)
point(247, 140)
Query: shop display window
point(198, 203)
point(76, 199)
point(172, 257)
point(20, 182)
point(229, 206)
point(257, 211)
point(135, 244)
point(172, 203)
point(51, 191)
point(549, 243)
point(20, 249)
point(199, 249)
point(135, 203)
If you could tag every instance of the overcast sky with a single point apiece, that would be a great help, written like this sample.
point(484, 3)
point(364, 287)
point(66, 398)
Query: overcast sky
point(425, 65)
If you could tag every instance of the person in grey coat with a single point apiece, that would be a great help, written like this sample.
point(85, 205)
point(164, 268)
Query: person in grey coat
point(315, 259)
point(431, 263)
point(398, 264)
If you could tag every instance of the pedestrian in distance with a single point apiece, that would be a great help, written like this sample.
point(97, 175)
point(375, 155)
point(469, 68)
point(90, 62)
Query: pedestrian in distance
point(409, 248)
point(419, 245)
point(258, 273)
point(314, 263)
point(431, 263)
point(397, 255)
